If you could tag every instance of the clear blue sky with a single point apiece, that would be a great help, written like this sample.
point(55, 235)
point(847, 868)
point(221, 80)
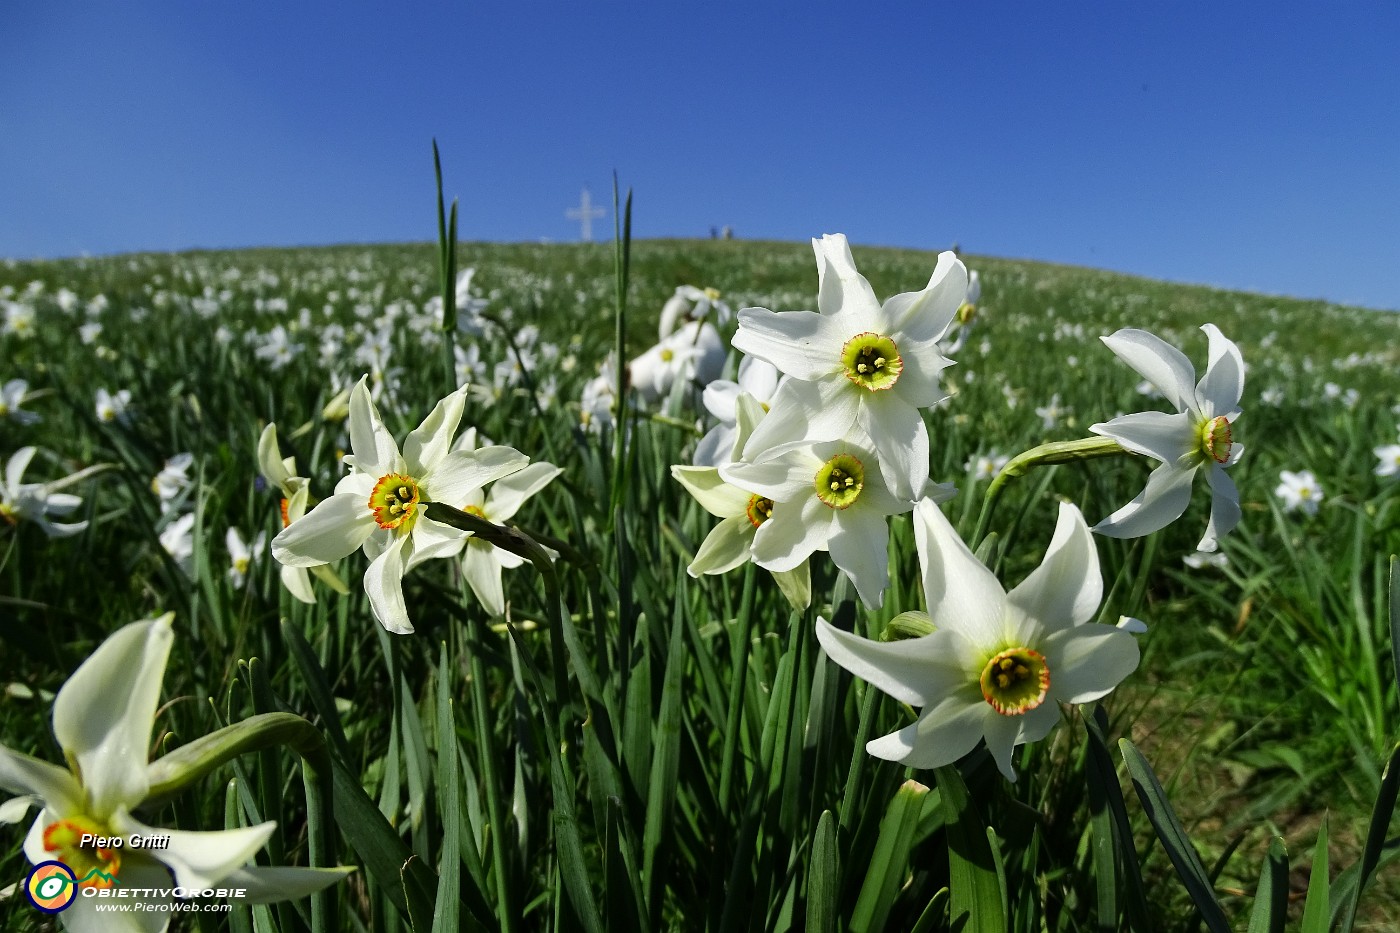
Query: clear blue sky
point(1251, 146)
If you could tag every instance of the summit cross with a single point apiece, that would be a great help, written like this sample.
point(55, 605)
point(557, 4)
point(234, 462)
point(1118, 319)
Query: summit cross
point(585, 212)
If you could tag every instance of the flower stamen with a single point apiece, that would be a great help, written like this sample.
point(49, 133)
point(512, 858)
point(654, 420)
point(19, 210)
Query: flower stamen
point(394, 502)
point(1015, 681)
point(759, 510)
point(872, 361)
point(840, 480)
point(63, 837)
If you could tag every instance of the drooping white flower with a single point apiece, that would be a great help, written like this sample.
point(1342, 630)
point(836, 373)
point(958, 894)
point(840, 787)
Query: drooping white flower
point(469, 308)
point(690, 304)
point(759, 379)
point(36, 502)
point(13, 394)
point(1197, 438)
point(1389, 457)
point(998, 664)
point(857, 365)
point(103, 719)
point(1299, 491)
point(378, 506)
point(280, 472)
point(482, 561)
point(177, 538)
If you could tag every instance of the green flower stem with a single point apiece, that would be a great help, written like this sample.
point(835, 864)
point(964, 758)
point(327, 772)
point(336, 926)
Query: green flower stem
point(190, 762)
point(737, 678)
point(1089, 448)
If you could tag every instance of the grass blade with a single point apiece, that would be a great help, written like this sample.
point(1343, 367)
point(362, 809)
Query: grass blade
point(1317, 908)
point(976, 899)
point(1271, 898)
point(824, 879)
point(1173, 838)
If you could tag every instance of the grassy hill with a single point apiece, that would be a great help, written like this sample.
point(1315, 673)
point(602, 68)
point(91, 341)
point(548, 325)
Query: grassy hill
point(1266, 694)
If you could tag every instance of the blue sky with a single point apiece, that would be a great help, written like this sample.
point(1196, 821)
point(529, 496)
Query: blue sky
point(1252, 146)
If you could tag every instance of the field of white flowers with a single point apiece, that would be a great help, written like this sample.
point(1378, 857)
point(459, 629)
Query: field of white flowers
point(301, 569)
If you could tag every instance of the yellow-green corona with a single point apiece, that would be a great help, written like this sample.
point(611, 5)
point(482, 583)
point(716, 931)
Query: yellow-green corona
point(872, 361)
point(840, 480)
point(1015, 681)
point(1216, 439)
point(394, 502)
point(759, 510)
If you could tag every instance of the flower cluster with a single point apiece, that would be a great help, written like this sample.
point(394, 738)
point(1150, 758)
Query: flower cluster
point(380, 506)
point(838, 443)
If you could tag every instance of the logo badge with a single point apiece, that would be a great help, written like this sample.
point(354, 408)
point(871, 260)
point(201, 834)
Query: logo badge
point(51, 887)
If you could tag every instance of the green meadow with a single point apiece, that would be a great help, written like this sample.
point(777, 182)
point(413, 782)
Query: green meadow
point(629, 748)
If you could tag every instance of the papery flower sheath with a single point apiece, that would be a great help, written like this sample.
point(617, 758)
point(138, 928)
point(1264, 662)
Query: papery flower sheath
point(1199, 437)
point(998, 664)
point(857, 365)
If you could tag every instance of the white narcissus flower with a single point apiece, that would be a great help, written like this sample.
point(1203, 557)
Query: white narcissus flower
point(280, 471)
point(1299, 491)
point(36, 502)
point(1389, 457)
point(13, 394)
point(829, 496)
point(986, 466)
point(692, 304)
point(998, 664)
point(1198, 437)
point(111, 407)
point(178, 540)
point(482, 561)
point(740, 511)
point(858, 367)
point(695, 353)
point(240, 555)
point(379, 506)
point(103, 719)
point(171, 480)
point(758, 378)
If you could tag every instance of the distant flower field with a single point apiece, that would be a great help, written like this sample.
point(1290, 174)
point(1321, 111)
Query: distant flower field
point(692, 588)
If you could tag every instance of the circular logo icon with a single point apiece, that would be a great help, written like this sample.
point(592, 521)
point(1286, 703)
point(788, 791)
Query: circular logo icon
point(51, 887)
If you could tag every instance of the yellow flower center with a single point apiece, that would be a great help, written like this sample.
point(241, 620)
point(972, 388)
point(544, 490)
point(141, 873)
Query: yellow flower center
point(667, 355)
point(967, 312)
point(394, 502)
point(1215, 439)
point(1015, 681)
point(240, 565)
point(64, 839)
point(840, 480)
point(759, 510)
point(475, 510)
point(8, 513)
point(872, 361)
point(712, 294)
